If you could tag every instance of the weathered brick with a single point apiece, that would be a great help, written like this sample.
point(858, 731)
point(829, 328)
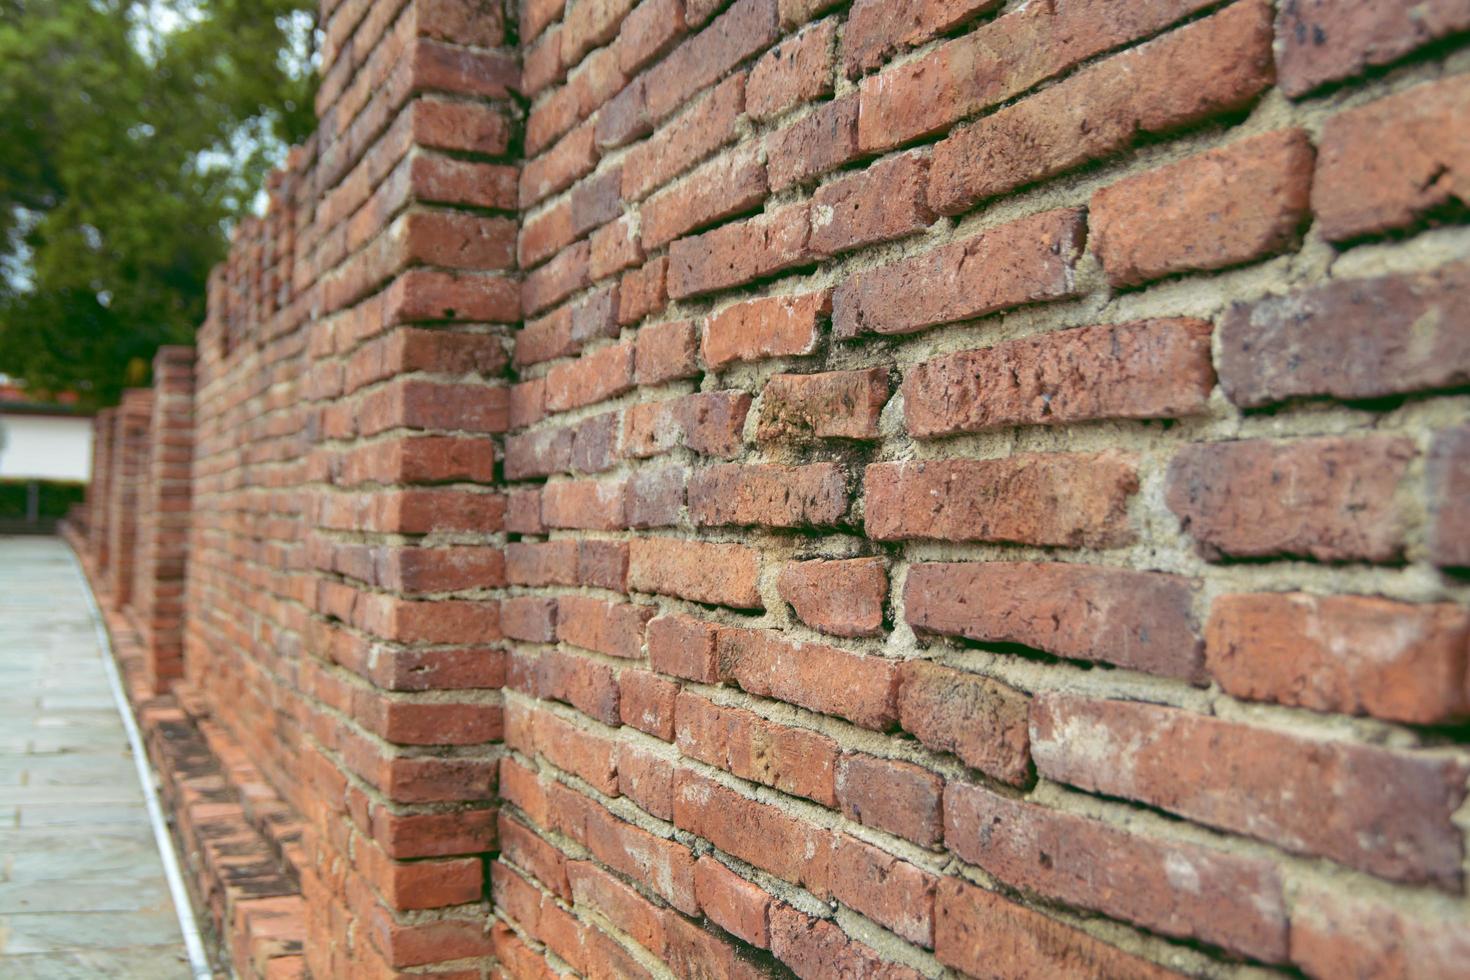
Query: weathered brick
point(613, 628)
point(708, 422)
point(666, 352)
point(760, 833)
point(597, 505)
point(772, 495)
point(1449, 498)
point(1336, 932)
point(1305, 795)
point(642, 291)
point(684, 647)
point(1225, 207)
point(556, 280)
point(843, 598)
point(529, 618)
point(647, 702)
point(592, 378)
point(1139, 620)
point(747, 27)
point(656, 496)
point(614, 247)
point(816, 947)
point(648, 31)
point(1232, 902)
point(704, 127)
point(1322, 41)
point(1331, 499)
point(1215, 66)
point(1388, 164)
point(719, 574)
point(772, 326)
point(878, 29)
point(821, 141)
point(732, 903)
point(1139, 370)
point(1028, 260)
point(978, 719)
point(1348, 654)
point(736, 253)
point(898, 797)
point(832, 405)
point(741, 742)
point(797, 70)
point(887, 890)
point(1350, 338)
point(860, 688)
point(888, 200)
point(1057, 499)
point(986, 935)
point(572, 157)
point(589, 24)
point(994, 63)
point(723, 188)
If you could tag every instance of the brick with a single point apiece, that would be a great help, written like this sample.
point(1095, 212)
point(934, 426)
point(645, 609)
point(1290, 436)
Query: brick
point(747, 27)
point(542, 563)
point(665, 866)
point(556, 280)
point(614, 247)
point(725, 187)
point(732, 903)
point(589, 24)
point(595, 443)
point(1350, 654)
point(585, 504)
point(589, 687)
point(769, 495)
point(603, 564)
point(647, 779)
point(1232, 902)
point(718, 574)
point(541, 65)
point(536, 15)
point(822, 678)
point(737, 253)
point(885, 889)
point(1346, 339)
point(897, 797)
point(772, 326)
point(994, 63)
point(746, 745)
point(584, 752)
point(1242, 202)
point(666, 352)
point(525, 850)
point(797, 70)
point(1212, 67)
point(1449, 498)
point(794, 13)
point(831, 405)
point(648, 702)
point(878, 29)
point(591, 378)
point(708, 124)
point(656, 496)
point(460, 126)
point(1056, 499)
point(523, 513)
point(888, 200)
point(1337, 933)
point(1028, 260)
point(642, 291)
point(764, 835)
point(1323, 41)
point(817, 948)
point(685, 647)
point(1139, 370)
point(1331, 499)
point(1391, 163)
point(613, 628)
point(1301, 794)
point(842, 598)
point(648, 31)
point(709, 423)
point(572, 157)
point(447, 180)
point(630, 912)
point(978, 719)
point(1138, 620)
point(819, 142)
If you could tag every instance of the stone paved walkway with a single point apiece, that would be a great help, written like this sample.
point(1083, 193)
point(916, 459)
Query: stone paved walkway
point(82, 888)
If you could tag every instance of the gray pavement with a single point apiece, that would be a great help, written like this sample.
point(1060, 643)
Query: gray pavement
point(82, 887)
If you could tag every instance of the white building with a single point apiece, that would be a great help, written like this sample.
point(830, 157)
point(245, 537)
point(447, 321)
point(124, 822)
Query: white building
point(44, 442)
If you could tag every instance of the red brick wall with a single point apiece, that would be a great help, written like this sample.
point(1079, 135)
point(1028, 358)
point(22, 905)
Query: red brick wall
point(891, 489)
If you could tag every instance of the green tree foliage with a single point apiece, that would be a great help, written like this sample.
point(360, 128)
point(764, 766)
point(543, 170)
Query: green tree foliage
point(132, 134)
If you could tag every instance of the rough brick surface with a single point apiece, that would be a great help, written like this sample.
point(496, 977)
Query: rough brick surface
point(800, 488)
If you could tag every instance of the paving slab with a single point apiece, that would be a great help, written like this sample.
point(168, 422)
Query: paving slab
point(82, 886)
